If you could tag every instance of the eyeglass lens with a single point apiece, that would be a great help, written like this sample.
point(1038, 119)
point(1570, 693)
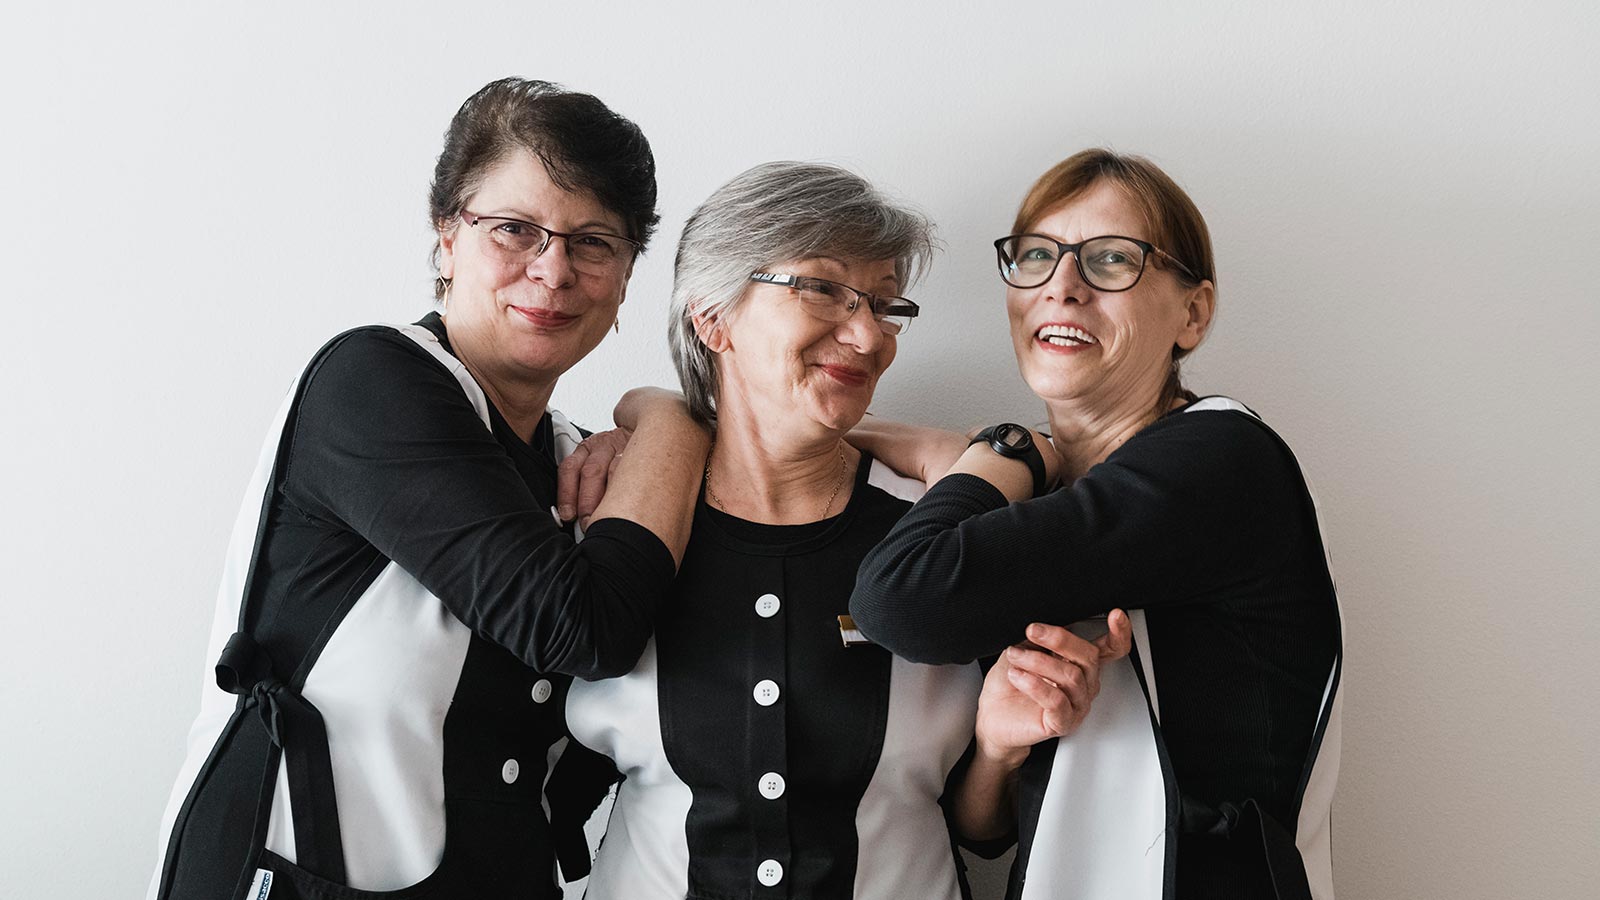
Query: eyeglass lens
point(523, 241)
point(836, 302)
point(1106, 263)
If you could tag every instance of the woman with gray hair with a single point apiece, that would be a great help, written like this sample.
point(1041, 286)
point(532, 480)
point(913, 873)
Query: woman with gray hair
point(766, 748)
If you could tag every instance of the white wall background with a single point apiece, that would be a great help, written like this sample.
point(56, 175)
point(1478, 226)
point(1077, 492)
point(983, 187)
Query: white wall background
point(1404, 203)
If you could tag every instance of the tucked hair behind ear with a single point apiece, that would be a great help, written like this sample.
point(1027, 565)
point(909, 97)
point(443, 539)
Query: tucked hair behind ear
point(774, 213)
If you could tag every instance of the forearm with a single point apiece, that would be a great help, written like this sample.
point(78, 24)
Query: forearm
point(985, 807)
point(658, 478)
point(915, 451)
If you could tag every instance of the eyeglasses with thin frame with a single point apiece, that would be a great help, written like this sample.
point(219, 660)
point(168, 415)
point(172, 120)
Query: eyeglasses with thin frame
point(1110, 262)
point(520, 241)
point(831, 301)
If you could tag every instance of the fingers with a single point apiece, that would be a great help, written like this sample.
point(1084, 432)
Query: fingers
point(1078, 681)
point(1118, 639)
point(592, 485)
point(1058, 713)
point(1063, 643)
point(567, 475)
point(582, 477)
point(592, 490)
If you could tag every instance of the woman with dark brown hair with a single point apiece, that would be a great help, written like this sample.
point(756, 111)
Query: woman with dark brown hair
point(1206, 766)
point(403, 609)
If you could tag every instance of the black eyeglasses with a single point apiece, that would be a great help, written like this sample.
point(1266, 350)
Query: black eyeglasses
point(831, 301)
point(1110, 263)
point(591, 252)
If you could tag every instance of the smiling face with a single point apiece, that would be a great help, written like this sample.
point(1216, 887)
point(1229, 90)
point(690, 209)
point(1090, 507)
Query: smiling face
point(1109, 352)
point(527, 322)
point(796, 371)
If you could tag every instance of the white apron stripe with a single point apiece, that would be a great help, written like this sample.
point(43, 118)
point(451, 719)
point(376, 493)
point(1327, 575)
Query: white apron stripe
point(1103, 819)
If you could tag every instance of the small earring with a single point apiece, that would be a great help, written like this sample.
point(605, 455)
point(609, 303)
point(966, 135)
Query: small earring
point(616, 325)
point(444, 299)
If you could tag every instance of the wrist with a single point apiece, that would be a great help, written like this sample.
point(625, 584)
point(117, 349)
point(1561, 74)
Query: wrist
point(998, 757)
point(1012, 441)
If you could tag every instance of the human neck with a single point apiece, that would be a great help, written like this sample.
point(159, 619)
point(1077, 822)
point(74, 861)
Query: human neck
point(1085, 435)
point(762, 474)
point(521, 400)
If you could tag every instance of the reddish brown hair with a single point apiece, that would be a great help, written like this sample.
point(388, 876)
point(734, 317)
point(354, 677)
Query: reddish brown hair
point(1171, 219)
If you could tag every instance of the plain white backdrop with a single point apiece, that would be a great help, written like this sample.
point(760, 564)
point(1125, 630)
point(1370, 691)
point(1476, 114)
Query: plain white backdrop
point(1403, 199)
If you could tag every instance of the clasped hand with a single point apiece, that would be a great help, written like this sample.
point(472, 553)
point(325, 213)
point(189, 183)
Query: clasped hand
point(1043, 687)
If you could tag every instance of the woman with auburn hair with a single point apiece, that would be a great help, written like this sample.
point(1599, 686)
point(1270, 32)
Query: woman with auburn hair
point(1206, 767)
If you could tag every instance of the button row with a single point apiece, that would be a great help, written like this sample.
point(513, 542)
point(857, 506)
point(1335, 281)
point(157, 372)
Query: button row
point(771, 785)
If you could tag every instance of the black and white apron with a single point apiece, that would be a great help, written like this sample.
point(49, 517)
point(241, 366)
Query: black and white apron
point(390, 752)
point(1110, 814)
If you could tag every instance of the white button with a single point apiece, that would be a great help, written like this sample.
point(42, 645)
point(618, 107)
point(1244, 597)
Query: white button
point(542, 690)
point(510, 771)
point(767, 605)
point(770, 785)
point(769, 873)
point(766, 692)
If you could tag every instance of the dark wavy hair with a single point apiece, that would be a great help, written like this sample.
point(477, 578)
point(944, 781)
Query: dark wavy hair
point(584, 146)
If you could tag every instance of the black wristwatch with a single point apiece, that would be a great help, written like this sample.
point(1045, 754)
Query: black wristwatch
point(1015, 442)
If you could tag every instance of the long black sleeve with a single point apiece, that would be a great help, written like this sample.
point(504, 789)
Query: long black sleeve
point(387, 446)
point(1184, 511)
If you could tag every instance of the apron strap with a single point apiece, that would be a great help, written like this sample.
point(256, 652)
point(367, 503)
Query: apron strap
point(296, 728)
point(1242, 822)
point(293, 724)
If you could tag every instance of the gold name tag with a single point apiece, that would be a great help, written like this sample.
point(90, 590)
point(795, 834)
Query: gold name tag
point(850, 634)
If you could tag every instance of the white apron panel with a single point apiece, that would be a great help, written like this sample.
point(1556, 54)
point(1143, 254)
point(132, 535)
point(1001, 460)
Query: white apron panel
point(383, 684)
point(903, 841)
point(1110, 766)
point(645, 852)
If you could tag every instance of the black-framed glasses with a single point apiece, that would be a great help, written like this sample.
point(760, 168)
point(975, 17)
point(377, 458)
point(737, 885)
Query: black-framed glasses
point(831, 301)
point(1108, 263)
point(519, 241)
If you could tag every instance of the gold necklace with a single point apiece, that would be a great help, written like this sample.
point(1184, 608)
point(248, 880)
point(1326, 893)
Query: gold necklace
point(837, 484)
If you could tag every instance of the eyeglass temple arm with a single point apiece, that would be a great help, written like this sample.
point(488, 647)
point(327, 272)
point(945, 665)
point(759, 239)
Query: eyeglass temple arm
point(1176, 261)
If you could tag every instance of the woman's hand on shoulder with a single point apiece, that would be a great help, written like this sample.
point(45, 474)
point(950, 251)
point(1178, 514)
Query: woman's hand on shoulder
point(582, 477)
point(1043, 687)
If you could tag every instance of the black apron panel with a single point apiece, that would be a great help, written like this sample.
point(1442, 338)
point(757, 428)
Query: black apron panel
point(214, 840)
point(824, 734)
point(1032, 781)
point(493, 864)
point(494, 718)
point(838, 709)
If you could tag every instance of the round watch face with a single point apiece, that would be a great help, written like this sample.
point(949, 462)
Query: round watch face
point(1014, 438)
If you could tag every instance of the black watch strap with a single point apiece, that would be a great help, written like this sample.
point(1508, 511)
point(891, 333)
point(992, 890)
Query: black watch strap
point(1015, 442)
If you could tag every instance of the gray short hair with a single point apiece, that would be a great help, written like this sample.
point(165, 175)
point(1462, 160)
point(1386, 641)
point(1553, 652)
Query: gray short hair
point(776, 212)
